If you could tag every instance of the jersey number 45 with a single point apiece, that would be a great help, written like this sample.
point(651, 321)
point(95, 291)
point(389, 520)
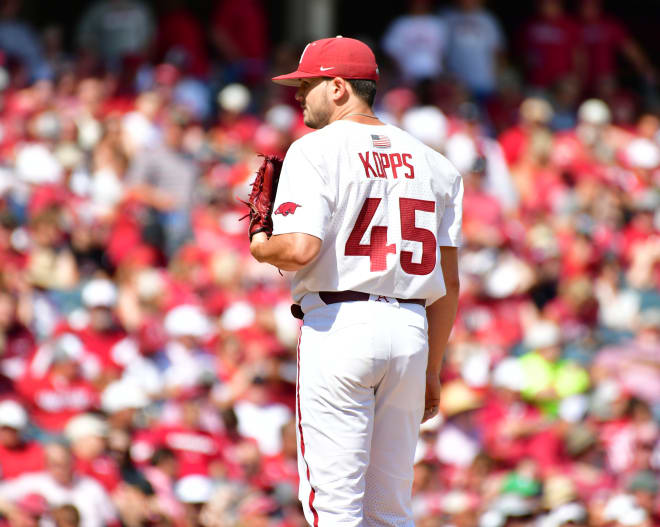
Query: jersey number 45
point(377, 249)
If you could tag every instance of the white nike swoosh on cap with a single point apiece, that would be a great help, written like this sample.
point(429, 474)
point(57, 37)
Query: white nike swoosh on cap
point(326, 69)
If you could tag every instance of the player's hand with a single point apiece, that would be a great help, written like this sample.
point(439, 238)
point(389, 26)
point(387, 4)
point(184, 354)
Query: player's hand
point(432, 397)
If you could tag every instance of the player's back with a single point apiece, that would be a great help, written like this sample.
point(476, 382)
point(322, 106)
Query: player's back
point(381, 201)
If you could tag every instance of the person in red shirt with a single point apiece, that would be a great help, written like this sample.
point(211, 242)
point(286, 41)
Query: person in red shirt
point(534, 118)
point(198, 452)
point(586, 151)
point(281, 469)
point(54, 387)
point(87, 435)
point(18, 342)
point(239, 33)
point(103, 337)
point(603, 37)
point(550, 44)
point(16, 454)
point(181, 32)
point(514, 429)
point(483, 214)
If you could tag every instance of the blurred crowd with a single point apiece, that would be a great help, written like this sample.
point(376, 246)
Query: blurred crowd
point(148, 364)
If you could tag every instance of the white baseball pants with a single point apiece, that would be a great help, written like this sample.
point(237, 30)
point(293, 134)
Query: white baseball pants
point(360, 399)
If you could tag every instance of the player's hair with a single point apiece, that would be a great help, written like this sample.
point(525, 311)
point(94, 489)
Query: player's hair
point(365, 89)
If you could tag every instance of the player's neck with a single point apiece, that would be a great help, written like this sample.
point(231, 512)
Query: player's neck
point(357, 113)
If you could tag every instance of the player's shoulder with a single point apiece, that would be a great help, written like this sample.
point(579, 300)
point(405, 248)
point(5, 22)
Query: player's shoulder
point(321, 142)
point(315, 138)
point(307, 146)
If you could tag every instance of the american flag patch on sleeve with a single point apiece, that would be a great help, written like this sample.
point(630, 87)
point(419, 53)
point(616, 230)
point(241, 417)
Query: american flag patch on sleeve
point(380, 141)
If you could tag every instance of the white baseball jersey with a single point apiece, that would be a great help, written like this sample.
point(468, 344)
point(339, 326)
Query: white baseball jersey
point(383, 204)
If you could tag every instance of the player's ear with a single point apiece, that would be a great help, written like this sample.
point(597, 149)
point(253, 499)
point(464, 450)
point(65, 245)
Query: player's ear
point(338, 89)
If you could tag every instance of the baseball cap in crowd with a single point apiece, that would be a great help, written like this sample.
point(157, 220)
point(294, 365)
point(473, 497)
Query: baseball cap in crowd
point(123, 395)
point(194, 488)
point(234, 98)
point(509, 375)
point(426, 123)
point(642, 153)
point(37, 165)
point(12, 415)
point(85, 425)
point(67, 347)
point(594, 112)
point(457, 397)
point(187, 320)
point(99, 293)
point(542, 334)
point(333, 57)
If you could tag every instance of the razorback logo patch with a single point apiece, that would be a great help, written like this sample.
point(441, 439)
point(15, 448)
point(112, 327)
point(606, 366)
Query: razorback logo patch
point(286, 208)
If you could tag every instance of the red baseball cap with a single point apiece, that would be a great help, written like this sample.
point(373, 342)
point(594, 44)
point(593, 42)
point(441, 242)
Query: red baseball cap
point(333, 57)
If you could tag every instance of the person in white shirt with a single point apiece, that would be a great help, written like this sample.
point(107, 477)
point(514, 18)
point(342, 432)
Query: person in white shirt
point(417, 42)
point(60, 485)
point(370, 219)
point(475, 46)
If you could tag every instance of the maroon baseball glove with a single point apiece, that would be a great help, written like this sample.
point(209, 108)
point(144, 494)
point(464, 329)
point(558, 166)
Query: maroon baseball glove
point(262, 196)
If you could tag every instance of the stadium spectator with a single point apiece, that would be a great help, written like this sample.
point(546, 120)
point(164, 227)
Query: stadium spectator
point(593, 143)
point(116, 30)
point(180, 34)
point(17, 454)
point(472, 152)
point(535, 116)
point(475, 47)
point(184, 363)
point(87, 433)
point(18, 343)
point(240, 37)
point(102, 336)
point(54, 385)
point(165, 179)
point(61, 485)
point(197, 451)
point(603, 38)
point(550, 45)
point(417, 42)
point(121, 401)
point(19, 42)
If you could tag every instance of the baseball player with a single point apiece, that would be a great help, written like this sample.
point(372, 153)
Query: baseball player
point(370, 220)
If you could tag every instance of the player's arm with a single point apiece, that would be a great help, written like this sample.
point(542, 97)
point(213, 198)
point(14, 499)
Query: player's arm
point(442, 313)
point(440, 316)
point(289, 252)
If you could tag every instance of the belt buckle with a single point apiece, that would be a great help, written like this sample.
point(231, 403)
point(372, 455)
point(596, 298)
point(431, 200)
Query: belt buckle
point(384, 299)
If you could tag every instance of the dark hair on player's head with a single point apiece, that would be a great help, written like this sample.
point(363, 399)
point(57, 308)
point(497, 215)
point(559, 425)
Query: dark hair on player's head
point(365, 89)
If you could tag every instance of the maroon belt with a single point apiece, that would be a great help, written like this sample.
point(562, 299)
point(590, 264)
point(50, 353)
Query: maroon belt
point(334, 297)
